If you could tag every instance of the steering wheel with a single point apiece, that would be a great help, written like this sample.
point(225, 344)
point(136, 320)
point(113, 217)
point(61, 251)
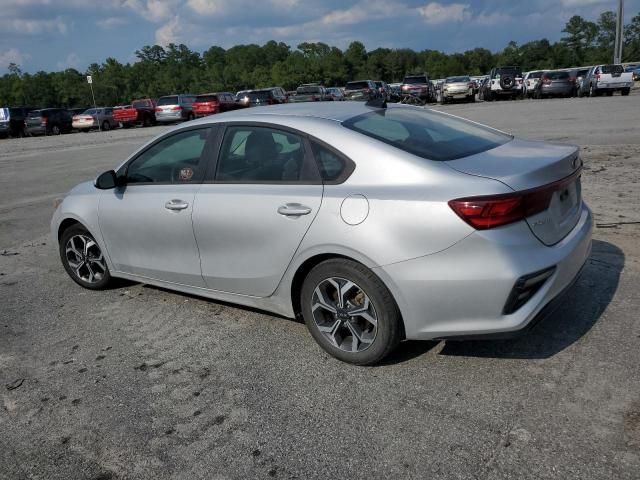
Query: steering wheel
point(182, 173)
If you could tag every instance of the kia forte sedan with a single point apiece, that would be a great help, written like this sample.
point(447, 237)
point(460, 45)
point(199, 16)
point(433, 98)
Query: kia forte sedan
point(372, 224)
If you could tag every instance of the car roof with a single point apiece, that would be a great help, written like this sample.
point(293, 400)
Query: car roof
point(338, 111)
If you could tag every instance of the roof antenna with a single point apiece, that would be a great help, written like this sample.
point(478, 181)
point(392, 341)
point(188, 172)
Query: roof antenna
point(378, 102)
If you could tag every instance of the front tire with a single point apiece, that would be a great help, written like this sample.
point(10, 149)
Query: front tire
point(83, 259)
point(350, 313)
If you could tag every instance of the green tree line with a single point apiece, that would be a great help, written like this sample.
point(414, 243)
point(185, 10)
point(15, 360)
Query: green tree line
point(176, 68)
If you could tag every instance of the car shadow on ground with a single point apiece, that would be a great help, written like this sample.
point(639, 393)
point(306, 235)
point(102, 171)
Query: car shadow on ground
point(583, 306)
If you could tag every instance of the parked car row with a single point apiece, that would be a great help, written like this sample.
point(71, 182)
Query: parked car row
point(502, 82)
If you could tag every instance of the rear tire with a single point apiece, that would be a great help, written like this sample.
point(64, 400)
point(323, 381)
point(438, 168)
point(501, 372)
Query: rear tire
point(106, 126)
point(609, 93)
point(83, 259)
point(593, 92)
point(350, 313)
point(55, 130)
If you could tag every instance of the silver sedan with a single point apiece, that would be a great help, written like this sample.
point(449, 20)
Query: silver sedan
point(374, 224)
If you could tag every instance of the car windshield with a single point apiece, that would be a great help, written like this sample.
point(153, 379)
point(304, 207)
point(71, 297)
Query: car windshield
point(457, 80)
point(414, 80)
point(357, 85)
point(173, 100)
point(428, 134)
point(558, 75)
point(308, 89)
point(207, 98)
point(612, 69)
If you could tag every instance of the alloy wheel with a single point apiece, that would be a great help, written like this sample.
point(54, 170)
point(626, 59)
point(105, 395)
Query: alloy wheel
point(85, 258)
point(344, 314)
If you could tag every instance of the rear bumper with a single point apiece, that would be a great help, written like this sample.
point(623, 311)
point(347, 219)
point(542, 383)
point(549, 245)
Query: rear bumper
point(170, 117)
point(461, 291)
point(561, 90)
point(614, 86)
point(37, 130)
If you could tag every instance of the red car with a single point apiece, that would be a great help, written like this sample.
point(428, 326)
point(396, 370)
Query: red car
point(140, 111)
point(211, 103)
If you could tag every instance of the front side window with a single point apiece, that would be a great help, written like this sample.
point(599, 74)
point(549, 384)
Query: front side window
point(262, 155)
point(175, 159)
point(427, 134)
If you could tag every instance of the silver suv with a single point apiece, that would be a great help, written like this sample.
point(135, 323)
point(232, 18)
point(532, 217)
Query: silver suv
point(175, 108)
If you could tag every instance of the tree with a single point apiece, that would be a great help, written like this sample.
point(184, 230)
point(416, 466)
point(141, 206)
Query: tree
point(580, 38)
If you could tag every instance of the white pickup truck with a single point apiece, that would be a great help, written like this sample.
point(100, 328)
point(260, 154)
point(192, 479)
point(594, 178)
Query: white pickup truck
point(606, 78)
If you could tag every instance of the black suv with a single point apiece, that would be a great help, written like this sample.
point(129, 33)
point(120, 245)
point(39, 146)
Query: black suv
point(49, 121)
point(263, 96)
point(12, 121)
point(361, 90)
point(504, 82)
point(418, 85)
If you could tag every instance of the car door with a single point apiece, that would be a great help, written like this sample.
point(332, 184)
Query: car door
point(256, 207)
point(146, 223)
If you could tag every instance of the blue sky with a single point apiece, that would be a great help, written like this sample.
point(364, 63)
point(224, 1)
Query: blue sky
point(57, 34)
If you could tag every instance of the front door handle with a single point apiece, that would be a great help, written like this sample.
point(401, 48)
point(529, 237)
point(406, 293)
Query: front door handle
point(176, 204)
point(293, 210)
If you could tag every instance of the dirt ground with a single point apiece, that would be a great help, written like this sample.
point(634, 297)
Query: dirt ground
point(142, 383)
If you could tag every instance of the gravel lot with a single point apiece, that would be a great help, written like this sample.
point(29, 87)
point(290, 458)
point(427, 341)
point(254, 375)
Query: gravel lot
point(138, 382)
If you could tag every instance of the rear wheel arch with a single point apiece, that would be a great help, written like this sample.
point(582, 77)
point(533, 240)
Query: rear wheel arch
point(309, 264)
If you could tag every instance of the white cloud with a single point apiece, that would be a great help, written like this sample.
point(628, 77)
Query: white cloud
point(169, 32)
point(30, 26)
point(208, 8)
point(72, 61)
point(110, 23)
point(12, 55)
point(154, 10)
point(581, 3)
point(435, 13)
point(495, 18)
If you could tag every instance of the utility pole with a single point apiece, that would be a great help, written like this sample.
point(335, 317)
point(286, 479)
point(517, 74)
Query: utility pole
point(95, 107)
point(617, 47)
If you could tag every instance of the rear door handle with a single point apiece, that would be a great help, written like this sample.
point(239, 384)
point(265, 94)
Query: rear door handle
point(176, 204)
point(293, 210)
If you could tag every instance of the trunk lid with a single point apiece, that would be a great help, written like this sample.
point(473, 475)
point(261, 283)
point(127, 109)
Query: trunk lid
point(530, 166)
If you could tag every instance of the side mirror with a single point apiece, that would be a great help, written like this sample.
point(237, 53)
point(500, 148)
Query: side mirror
point(106, 180)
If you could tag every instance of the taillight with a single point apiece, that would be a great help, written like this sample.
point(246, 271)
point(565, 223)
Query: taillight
point(546, 80)
point(597, 75)
point(490, 211)
point(176, 108)
point(44, 120)
point(528, 83)
point(158, 109)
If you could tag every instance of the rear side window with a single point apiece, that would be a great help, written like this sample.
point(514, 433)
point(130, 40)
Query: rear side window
point(330, 164)
point(427, 134)
point(263, 155)
point(173, 100)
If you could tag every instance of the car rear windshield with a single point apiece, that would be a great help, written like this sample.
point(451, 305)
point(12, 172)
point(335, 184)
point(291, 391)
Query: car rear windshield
point(173, 100)
point(414, 80)
point(91, 111)
point(140, 104)
point(612, 69)
point(457, 80)
point(557, 75)
point(207, 98)
point(428, 134)
point(37, 113)
point(535, 74)
point(4, 114)
point(357, 85)
point(259, 95)
point(308, 89)
point(512, 70)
